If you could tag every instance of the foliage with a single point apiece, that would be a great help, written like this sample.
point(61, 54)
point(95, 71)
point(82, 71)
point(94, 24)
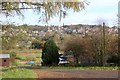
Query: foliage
point(111, 45)
point(19, 73)
point(13, 36)
point(31, 57)
point(13, 56)
point(47, 9)
point(76, 47)
point(50, 55)
point(36, 45)
point(8, 43)
point(113, 59)
point(89, 48)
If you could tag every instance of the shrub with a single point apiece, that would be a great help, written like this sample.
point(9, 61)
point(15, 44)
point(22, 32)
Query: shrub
point(13, 55)
point(31, 57)
point(113, 59)
point(36, 45)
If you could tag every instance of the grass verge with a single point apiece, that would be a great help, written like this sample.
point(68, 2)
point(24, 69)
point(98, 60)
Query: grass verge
point(82, 68)
point(19, 73)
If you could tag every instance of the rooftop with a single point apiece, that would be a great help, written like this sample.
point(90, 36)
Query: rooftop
point(4, 55)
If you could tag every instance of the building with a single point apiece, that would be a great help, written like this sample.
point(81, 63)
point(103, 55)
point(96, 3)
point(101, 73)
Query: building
point(4, 59)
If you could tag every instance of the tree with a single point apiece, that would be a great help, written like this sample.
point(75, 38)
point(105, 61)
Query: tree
point(50, 55)
point(36, 45)
point(89, 48)
point(47, 9)
point(13, 36)
point(76, 46)
point(9, 42)
point(110, 45)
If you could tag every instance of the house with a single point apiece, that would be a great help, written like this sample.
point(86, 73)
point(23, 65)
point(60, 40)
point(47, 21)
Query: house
point(4, 59)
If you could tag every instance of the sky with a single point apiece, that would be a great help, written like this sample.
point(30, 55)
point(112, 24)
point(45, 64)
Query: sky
point(96, 12)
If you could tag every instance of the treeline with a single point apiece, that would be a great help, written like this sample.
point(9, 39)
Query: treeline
point(89, 50)
point(99, 48)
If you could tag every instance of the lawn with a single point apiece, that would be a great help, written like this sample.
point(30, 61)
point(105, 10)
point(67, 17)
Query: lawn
point(19, 73)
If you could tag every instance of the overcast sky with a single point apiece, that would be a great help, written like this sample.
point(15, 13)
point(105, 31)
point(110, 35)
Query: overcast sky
point(96, 12)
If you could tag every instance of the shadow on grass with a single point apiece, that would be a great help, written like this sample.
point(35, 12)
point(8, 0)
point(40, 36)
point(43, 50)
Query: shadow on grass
point(8, 68)
point(30, 67)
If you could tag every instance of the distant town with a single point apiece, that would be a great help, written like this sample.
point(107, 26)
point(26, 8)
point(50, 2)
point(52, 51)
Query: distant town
point(80, 29)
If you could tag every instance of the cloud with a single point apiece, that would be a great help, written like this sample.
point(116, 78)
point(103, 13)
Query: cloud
point(104, 3)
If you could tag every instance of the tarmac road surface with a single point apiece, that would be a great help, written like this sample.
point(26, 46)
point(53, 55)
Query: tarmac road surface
point(71, 74)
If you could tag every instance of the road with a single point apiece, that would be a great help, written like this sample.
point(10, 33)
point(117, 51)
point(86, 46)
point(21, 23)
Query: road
point(56, 74)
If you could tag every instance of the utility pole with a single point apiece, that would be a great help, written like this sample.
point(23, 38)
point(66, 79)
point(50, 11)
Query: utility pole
point(118, 39)
point(103, 46)
point(119, 34)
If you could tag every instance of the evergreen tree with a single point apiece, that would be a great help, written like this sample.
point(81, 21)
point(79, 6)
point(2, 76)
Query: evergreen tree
point(50, 55)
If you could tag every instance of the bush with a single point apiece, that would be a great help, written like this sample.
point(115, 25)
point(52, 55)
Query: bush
point(113, 59)
point(31, 57)
point(36, 45)
point(50, 55)
point(13, 55)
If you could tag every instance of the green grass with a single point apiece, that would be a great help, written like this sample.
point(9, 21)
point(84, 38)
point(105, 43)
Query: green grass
point(19, 73)
point(21, 51)
point(38, 57)
point(21, 57)
point(82, 68)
